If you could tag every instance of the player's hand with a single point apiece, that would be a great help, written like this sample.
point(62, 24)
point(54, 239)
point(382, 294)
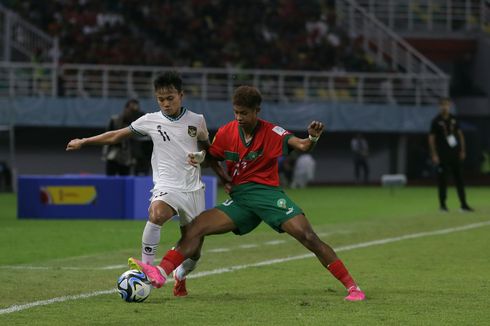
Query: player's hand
point(435, 159)
point(74, 144)
point(227, 187)
point(462, 155)
point(316, 128)
point(196, 158)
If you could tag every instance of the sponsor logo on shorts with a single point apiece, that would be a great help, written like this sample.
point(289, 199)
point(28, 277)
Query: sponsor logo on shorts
point(228, 202)
point(161, 194)
point(281, 203)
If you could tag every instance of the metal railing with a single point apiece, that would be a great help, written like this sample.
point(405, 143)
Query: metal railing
point(103, 81)
point(387, 47)
point(431, 15)
point(485, 17)
point(21, 40)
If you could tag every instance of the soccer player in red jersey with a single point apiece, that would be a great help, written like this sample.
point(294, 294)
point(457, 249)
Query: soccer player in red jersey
point(251, 148)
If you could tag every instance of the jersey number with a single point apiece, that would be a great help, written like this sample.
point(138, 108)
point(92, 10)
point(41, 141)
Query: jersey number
point(164, 135)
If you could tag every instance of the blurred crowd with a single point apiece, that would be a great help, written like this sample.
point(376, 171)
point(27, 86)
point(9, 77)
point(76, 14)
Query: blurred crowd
point(262, 34)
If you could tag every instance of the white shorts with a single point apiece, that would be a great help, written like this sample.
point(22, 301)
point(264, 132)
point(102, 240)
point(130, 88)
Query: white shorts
point(187, 204)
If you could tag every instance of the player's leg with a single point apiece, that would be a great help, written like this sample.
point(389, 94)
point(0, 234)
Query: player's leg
point(159, 213)
point(300, 228)
point(213, 221)
point(441, 170)
point(191, 205)
point(366, 171)
point(458, 181)
point(357, 170)
point(184, 269)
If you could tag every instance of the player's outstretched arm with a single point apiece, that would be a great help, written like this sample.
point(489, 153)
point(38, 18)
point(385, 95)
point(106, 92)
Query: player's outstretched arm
point(200, 158)
point(107, 138)
point(315, 129)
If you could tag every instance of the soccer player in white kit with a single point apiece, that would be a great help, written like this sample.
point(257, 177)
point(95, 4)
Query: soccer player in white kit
point(178, 135)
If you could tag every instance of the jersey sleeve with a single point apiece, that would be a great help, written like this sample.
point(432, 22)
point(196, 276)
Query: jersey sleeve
point(202, 133)
point(279, 145)
point(139, 126)
point(217, 148)
point(285, 146)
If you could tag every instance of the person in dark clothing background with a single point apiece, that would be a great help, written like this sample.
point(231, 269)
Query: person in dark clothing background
point(119, 157)
point(448, 151)
point(360, 152)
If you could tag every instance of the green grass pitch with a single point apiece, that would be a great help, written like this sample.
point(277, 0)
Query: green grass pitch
point(417, 266)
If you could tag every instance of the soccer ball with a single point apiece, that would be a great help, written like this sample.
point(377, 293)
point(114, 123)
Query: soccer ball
point(133, 286)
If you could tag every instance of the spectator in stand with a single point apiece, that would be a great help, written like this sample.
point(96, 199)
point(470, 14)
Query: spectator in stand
point(288, 34)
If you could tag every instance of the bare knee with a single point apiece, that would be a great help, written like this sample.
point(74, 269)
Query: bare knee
point(160, 213)
point(308, 237)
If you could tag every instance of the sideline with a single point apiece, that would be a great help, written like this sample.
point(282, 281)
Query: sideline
point(17, 308)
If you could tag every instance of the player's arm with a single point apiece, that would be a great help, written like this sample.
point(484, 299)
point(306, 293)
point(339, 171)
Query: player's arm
point(220, 172)
point(208, 160)
point(433, 149)
point(462, 148)
point(315, 129)
point(107, 138)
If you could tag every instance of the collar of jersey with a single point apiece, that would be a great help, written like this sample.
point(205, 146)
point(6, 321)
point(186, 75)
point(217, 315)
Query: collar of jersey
point(242, 134)
point(183, 111)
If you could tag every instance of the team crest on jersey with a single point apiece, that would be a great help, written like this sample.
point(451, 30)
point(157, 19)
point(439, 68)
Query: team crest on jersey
point(281, 203)
point(192, 131)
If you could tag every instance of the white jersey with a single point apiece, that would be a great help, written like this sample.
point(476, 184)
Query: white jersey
point(173, 139)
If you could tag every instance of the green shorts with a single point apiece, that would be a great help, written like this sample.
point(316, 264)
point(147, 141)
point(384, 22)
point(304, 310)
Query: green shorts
point(252, 203)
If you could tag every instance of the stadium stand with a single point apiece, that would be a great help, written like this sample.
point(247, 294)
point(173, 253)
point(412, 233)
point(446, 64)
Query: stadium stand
point(72, 63)
point(218, 33)
point(441, 16)
point(316, 54)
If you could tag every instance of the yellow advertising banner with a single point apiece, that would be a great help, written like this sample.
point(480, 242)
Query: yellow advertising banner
point(68, 195)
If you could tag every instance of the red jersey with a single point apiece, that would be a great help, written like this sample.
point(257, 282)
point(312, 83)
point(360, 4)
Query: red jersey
point(256, 161)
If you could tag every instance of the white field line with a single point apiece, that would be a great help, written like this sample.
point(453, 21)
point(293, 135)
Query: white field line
point(274, 242)
point(215, 250)
point(17, 308)
point(120, 266)
point(248, 246)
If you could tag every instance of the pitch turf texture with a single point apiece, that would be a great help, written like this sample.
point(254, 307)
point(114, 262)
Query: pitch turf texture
point(417, 266)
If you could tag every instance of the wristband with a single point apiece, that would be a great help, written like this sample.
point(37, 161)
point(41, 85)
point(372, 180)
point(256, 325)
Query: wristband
point(313, 139)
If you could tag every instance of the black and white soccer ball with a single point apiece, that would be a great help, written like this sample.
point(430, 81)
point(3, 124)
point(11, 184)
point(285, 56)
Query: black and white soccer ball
point(133, 286)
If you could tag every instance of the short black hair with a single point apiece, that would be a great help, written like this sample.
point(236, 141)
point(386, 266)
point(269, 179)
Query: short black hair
point(247, 96)
point(131, 101)
point(168, 79)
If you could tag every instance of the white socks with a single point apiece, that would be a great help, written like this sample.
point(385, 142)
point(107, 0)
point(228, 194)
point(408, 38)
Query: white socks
point(185, 268)
point(150, 241)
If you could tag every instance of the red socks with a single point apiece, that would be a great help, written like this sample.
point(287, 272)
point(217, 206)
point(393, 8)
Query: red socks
point(338, 270)
point(171, 261)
